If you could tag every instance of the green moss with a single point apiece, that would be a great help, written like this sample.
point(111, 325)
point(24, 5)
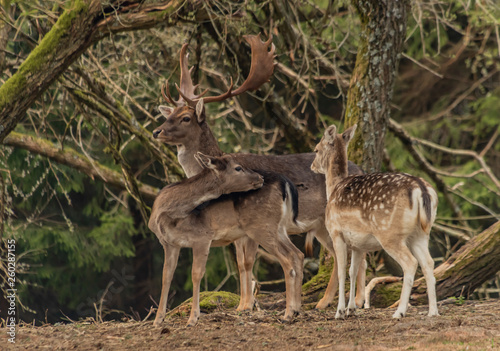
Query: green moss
point(386, 295)
point(45, 52)
point(321, 279)
point(211, 300)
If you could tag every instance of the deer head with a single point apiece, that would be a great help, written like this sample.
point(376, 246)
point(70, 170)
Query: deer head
point(231, 176)
point(187, 113)
point(332, 147)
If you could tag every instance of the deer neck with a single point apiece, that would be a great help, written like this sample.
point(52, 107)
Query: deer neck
point(180, 199)
point(204, 142)
point(206, 187)
point(336, 171)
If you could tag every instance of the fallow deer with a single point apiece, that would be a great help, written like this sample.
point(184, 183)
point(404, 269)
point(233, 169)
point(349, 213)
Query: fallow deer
point(195, 213)
point(393, 211)
point(187, 128)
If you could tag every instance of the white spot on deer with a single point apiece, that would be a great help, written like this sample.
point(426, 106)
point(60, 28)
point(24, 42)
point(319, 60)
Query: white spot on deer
point(375, 207)
point(381, 206)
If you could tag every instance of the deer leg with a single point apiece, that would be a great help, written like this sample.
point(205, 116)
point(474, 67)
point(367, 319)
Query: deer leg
point(292, 262)
point(356, 261)
point(325, 240)
point(361, 282)
point(408, 263)
point(200, 255)
point(169, 265)
point(246, 250)
point(341, 259)
point(420, 249)
point(297, 258)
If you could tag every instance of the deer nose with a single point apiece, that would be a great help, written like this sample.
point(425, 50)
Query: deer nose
point(156, 132)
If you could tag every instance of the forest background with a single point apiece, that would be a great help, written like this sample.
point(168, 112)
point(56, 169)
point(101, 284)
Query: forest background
point(79, 168)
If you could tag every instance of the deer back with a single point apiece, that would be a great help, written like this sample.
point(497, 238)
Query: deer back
point(228, 217)
point(381, 199)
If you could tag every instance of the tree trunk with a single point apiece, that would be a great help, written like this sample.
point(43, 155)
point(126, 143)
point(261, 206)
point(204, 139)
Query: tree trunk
point(475, 263)
point(81, 24)
point(383, 29)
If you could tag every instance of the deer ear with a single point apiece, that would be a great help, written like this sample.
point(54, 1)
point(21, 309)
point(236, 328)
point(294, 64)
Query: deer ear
point(165, 110)
point(205, 161)
point(349, 133)
point(200, 111)
point(330, 134)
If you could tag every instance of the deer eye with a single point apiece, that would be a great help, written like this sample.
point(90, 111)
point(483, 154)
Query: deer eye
point(316, 150)
point(186, 119)
point(238, 169)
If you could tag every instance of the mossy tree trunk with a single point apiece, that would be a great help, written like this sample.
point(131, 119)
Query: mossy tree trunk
point(467, 269)
point(82, 23)
point(383, 30)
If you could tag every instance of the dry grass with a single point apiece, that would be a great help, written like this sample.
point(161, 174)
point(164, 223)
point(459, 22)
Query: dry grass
point(475, 325)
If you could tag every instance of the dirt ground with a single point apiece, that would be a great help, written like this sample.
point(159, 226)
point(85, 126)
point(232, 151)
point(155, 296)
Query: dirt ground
point(472, 325)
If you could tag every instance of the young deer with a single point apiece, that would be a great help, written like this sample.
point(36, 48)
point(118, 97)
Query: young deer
point(393, 211)
point(186, 128)
point(195, 213)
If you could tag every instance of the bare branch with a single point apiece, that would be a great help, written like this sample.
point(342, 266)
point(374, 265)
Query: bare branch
point(74, 159)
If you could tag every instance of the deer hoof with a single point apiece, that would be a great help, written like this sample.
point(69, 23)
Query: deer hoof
point(340, 314)
point(191, 323)
point(157, 321)
point(321, 305)
point(398, 315)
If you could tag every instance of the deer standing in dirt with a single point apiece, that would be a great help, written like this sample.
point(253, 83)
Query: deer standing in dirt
point(393, 211)
point(186, 127)
point(196, 213)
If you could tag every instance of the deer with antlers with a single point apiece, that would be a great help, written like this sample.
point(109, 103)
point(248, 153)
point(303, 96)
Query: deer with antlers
point(186, 127)
point(393, 211)
point(218, 206)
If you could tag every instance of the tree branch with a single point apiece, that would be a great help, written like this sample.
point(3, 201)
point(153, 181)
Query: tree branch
point(74, 159)
point(81, 24)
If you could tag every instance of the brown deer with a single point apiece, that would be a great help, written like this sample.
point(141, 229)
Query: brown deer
point(393, 211)
point(186, 127)
point(195, 213)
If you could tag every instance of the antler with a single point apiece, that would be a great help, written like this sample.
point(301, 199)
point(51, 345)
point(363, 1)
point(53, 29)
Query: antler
point(261, 69)
point(187, 89)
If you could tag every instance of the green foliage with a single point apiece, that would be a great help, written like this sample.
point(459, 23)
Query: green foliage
point(60, 257)
point(485, 111)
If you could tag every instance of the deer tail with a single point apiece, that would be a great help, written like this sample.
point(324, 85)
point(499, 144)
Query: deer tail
point(309, 244)
point(427, 203)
